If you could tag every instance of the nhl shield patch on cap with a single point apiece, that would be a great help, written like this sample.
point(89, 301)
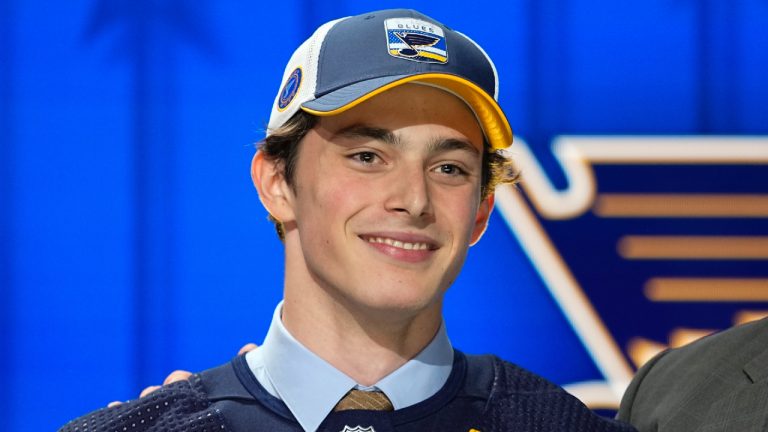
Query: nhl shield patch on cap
point(289, 90)
point(415, 39)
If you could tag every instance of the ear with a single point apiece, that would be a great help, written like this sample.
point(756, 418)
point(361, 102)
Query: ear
point(274, 192)
point(481, 219)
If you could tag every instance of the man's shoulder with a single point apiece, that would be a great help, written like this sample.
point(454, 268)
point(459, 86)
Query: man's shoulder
point(690, 379)
point(189, 405)
point(495, 375)
point(519, 399)
point(181, 406)
point(728, 341)
point(727, 350)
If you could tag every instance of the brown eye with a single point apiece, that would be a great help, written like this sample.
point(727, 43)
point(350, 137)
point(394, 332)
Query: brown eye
point(450, 169)
point(365, 157)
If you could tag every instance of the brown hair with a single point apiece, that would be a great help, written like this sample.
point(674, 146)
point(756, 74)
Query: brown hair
point(282, 147)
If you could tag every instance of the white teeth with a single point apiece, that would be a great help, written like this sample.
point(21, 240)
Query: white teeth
point(398, 244)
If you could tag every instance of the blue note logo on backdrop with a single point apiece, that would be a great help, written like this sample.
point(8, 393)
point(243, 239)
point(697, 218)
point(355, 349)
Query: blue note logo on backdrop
point(655, 242)
point(415, 39)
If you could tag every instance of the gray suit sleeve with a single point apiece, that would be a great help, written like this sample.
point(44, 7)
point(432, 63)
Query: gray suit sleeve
point(628, 410)
point(715, 383)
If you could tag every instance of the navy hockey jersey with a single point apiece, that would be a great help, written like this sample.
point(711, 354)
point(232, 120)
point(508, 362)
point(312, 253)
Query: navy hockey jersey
point(483, 393)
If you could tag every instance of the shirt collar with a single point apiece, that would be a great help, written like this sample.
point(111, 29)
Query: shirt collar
point(311, 387)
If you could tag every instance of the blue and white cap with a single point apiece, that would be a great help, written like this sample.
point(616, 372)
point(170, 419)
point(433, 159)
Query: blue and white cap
point(350, 60)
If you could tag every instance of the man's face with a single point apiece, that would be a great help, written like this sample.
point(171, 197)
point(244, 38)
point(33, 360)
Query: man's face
point(386, 200)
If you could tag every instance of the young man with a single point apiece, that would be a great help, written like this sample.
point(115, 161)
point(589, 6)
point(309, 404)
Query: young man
point(378, 170)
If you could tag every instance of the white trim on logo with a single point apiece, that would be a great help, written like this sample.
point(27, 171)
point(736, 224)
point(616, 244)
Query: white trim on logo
point(577, 154)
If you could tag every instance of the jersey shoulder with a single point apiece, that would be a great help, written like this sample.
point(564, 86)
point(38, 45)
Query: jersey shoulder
point(519, 399)
point(177, 407)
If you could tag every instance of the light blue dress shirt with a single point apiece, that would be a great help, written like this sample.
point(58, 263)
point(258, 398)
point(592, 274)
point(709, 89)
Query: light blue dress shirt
point(311, 387)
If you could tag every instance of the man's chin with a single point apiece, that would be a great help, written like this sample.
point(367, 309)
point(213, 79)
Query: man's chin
point(400, 306)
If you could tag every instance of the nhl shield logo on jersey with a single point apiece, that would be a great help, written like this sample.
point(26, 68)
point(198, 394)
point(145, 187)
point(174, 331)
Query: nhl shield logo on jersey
point(417, 40)
point(358, 428)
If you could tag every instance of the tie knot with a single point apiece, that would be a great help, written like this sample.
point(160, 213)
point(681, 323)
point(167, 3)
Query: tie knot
point(364, 400)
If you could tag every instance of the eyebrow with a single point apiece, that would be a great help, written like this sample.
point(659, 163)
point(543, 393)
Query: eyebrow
point(372, 132)
point(386, 136)
point(447, 144)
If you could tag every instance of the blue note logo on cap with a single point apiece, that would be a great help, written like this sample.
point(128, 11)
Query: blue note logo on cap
point(415, 39)
point(289, 90)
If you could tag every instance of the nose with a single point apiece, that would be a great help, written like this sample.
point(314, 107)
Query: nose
point(408, 193)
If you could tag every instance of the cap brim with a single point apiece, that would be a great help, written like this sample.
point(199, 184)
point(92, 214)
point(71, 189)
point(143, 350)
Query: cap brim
point(489, 114)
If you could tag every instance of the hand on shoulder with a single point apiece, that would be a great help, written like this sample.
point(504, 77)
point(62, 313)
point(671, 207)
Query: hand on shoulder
point(179, 375)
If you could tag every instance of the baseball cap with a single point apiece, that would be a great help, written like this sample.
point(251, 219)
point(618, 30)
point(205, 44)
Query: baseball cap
point(350, 60)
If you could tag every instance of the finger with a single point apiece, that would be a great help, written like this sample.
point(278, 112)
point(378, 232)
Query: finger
point(177, 375)
point(248, 347)
point(148, 390)
point(114, 404)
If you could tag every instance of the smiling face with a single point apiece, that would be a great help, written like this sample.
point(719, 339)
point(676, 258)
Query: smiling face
point(385, 202)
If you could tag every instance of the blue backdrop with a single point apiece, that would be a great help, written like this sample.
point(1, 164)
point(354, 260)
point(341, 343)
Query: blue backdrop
point(132, 241)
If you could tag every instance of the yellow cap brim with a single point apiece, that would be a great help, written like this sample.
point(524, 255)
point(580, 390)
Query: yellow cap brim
point(492, 120)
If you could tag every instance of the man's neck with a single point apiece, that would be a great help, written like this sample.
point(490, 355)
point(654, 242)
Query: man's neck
point(366, 345)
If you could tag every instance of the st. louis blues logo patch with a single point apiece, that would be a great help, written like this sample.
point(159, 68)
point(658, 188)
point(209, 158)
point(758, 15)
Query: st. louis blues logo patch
point(417, 40)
